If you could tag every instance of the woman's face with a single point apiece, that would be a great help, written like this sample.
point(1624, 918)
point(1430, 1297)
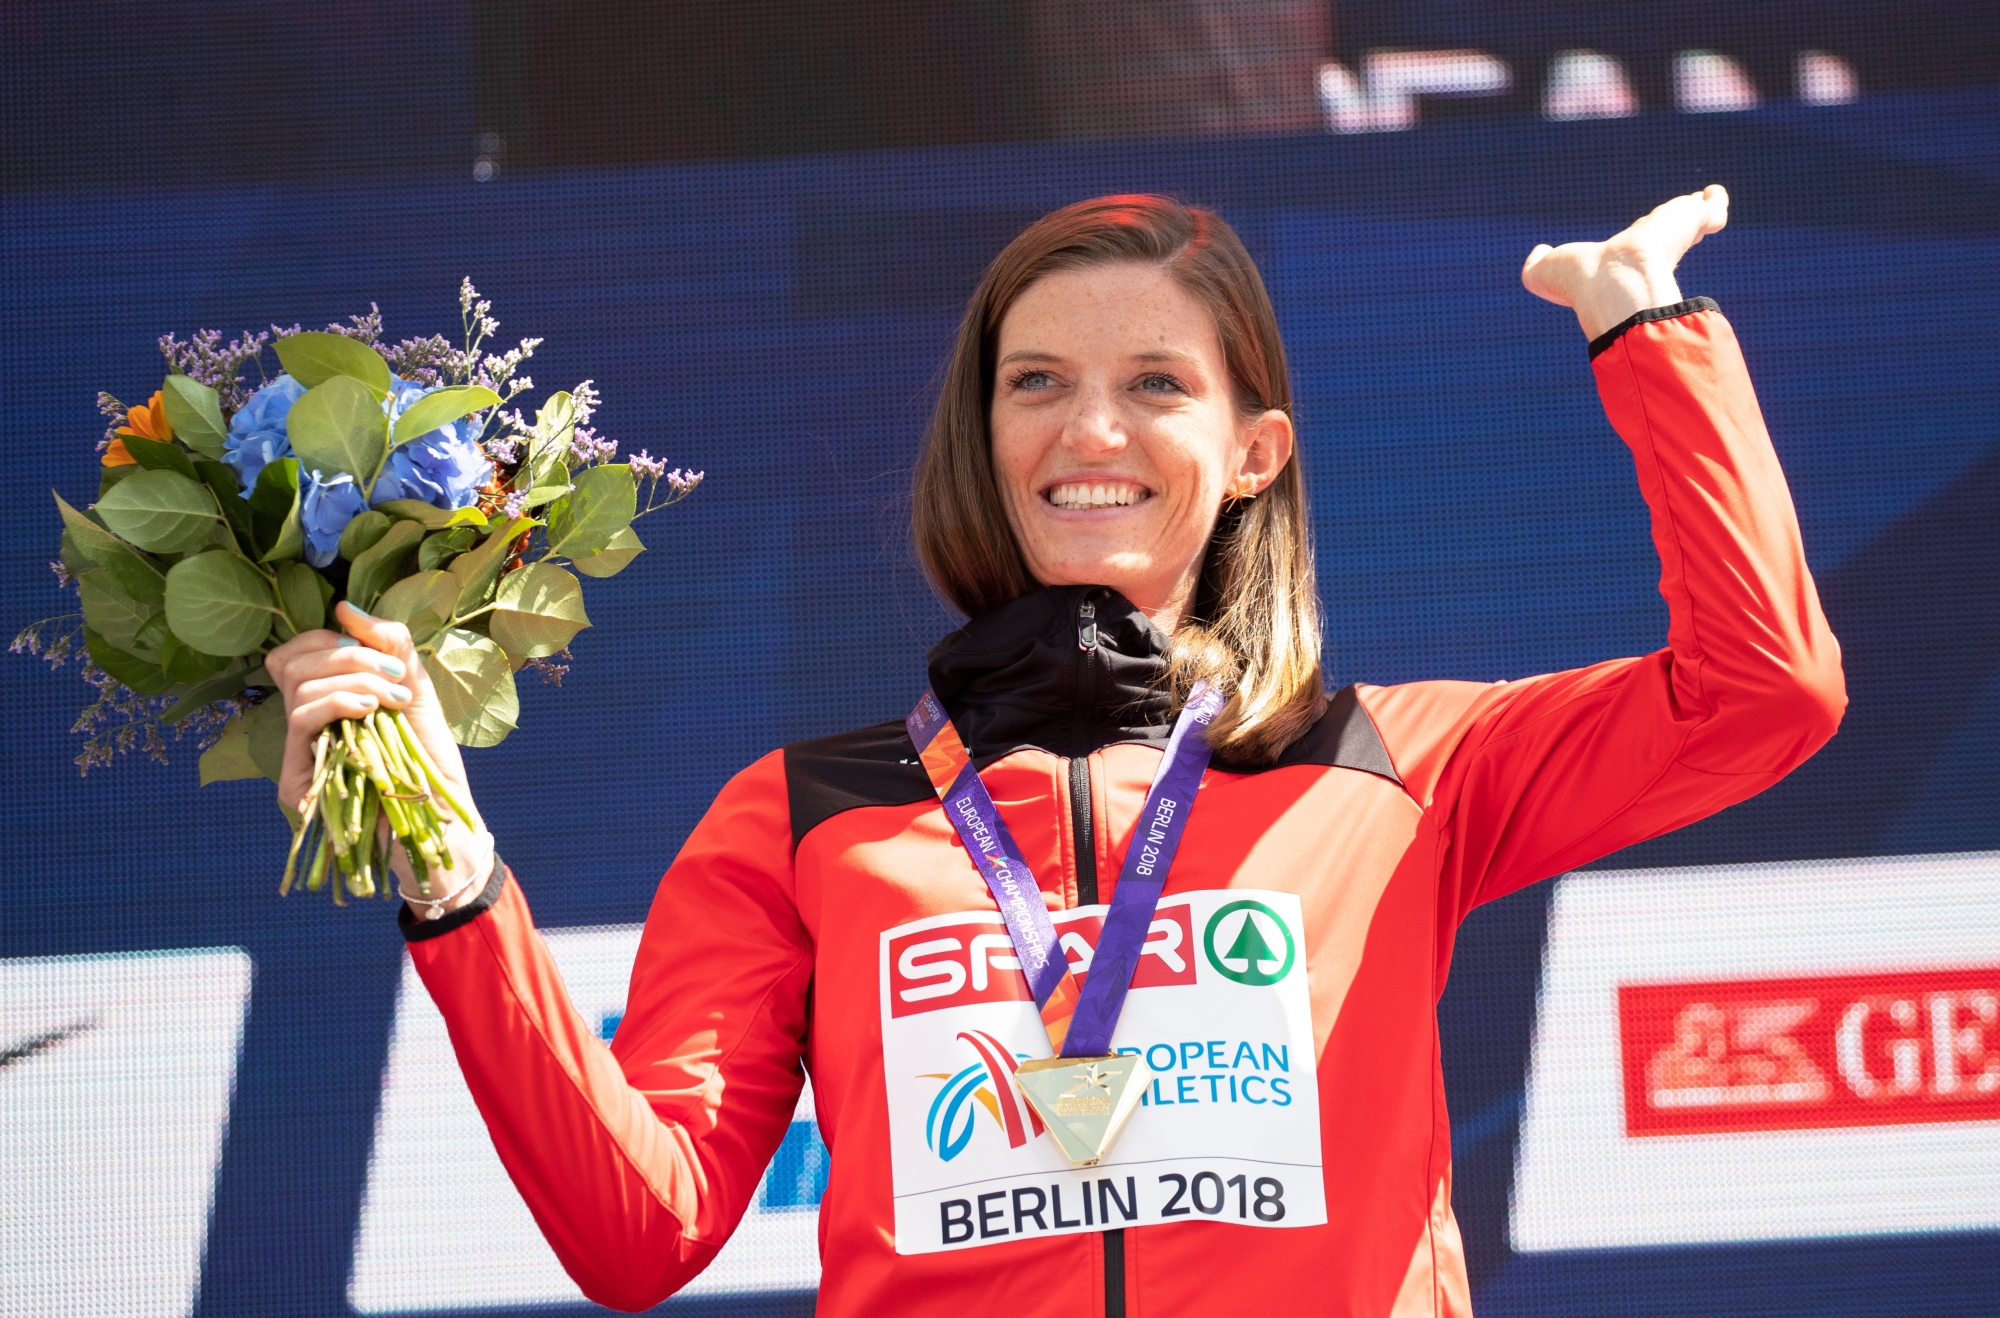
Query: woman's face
point(1115, 436)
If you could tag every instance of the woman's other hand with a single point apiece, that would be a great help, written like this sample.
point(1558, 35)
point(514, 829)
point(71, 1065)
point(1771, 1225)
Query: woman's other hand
point(324, 677)
point(1631, 271)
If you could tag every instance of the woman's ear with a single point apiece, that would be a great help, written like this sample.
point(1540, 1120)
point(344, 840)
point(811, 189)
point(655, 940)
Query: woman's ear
point(1270, 448)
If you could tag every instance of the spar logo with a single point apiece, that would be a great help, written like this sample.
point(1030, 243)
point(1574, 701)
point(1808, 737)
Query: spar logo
point(1260, 948)
point(985, 1086)
point(971, 960)
point(1811, 1053)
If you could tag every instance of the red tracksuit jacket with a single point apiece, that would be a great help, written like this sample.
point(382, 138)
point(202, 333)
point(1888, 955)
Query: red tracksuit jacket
point(764, 952)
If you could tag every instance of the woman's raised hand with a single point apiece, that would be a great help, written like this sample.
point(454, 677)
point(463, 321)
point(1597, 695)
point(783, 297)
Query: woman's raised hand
point(1631, 271)
point(324, 677)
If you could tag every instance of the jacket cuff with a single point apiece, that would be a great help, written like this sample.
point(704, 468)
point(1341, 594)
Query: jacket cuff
point(1668, 312)
point(416, 931)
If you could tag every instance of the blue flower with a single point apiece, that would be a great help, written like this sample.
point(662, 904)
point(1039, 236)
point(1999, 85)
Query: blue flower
point(444, 467)
point(326, 506)
point(257, 435)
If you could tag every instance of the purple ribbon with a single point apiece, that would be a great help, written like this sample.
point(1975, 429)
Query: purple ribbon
point(971, 810)
point(1143, 878)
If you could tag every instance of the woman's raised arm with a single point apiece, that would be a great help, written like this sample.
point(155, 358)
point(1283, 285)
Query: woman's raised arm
point(1526, 779)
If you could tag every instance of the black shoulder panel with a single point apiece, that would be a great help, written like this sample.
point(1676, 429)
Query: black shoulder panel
point(1344, 738)
point(869, 766)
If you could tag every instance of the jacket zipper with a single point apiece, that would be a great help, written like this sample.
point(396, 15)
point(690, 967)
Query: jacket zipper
point(1085, 834)
point(1079, 764)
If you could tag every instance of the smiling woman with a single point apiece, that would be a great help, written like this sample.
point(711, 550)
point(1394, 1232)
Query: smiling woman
point(1110, 489)
point(1124, 358)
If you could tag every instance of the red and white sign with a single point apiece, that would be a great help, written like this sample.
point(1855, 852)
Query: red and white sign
point(1765, 1052)
point(1811, 1053)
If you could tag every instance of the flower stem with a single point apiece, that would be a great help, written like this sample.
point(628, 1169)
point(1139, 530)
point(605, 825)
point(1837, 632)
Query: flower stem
point(373, 786)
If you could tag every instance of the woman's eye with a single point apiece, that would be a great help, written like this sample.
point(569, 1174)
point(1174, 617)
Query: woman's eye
point(1029, 380)
point(1157, 383)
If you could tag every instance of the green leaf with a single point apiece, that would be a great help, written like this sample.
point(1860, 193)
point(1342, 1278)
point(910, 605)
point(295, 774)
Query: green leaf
point(184, 663)
point(162, 511)
point(221, 478)
point(274, 511)
point(222, 482)
point(339, 426)
point(362, 533)
point(475, 687)
point(195, 413)
point(549, 443)
point(314, 358)
point(299, 590)
point(154, 455)
point(74, 560)
point(145, 678)
point(108, 478)
point(133, 573)
point(375, 570)
point(441, 408)
point(422, 602)
point(604, 500)
point(219, 604)
point(430, 516)
point(113, 614)
point(228, 760)
point(252, 746)
point(479, 570)
point(265, 725)
point(613, 558)
point(231, 680)
point(443, 546)
point(537, 611)
point(152, 636)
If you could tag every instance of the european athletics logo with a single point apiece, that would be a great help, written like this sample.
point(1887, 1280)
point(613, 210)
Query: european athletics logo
point(989, 1083)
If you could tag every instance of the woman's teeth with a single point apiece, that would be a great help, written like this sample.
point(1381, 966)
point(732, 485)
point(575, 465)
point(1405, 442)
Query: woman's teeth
point(1103, 494)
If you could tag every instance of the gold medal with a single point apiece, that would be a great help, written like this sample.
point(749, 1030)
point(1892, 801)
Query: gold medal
point(1084, 1101)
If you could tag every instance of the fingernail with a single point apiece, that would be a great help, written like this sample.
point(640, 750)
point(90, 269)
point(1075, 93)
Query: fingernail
point(368, 702)
point(399, 693)
point(358, 609)
point(344, 642)
point(392, 665)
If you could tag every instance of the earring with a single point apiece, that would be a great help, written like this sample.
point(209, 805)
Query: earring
point(1243, 489)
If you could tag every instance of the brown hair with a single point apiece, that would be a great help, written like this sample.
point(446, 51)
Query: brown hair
point(1254, 626)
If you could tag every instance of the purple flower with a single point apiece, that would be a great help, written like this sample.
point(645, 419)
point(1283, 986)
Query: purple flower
point(257, 436)
point(585, 446)
point(326, 506)
point(443, 467)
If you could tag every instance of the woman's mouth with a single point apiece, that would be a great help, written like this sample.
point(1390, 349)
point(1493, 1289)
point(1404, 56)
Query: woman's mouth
point(1096, 494)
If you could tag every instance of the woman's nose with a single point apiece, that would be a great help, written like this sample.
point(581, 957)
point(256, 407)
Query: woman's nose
point(1094, 427)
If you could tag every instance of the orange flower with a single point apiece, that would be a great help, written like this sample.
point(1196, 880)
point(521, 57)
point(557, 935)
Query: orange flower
point(118, 455)
point(150, 421)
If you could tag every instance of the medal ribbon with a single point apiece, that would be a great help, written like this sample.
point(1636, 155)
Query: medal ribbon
point(1079, 1021)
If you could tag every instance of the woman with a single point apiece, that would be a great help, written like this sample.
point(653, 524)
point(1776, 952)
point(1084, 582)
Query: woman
point(1110, 491)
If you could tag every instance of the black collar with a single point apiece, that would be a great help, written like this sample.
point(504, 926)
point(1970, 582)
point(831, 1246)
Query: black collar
point(1022, 676)
point(1066, 669)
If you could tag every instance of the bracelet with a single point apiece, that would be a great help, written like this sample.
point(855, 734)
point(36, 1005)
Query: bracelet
point(435, 905)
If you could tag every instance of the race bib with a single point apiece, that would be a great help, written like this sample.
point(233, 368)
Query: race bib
point(1227, 1131)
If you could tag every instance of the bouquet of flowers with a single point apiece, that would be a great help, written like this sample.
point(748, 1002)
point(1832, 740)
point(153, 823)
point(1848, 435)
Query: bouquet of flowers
point(402, 478)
